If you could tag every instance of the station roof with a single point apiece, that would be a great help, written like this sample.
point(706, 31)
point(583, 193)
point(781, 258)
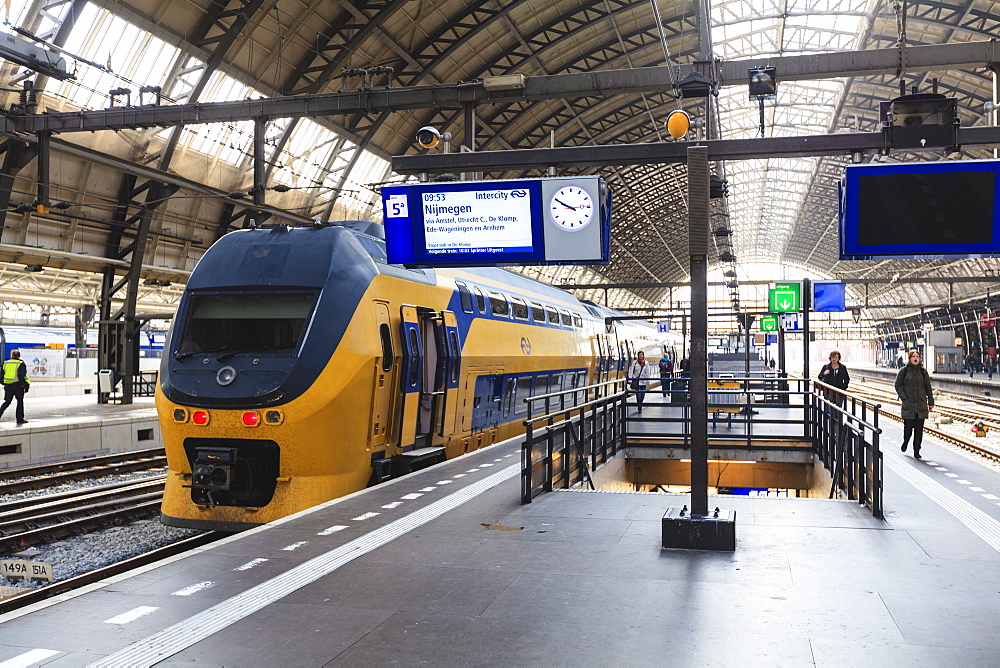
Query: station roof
point(780, 210)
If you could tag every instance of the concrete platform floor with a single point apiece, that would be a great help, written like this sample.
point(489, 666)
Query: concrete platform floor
point(446, 568)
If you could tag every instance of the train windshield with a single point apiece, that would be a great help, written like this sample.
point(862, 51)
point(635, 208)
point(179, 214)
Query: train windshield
point(245, 323)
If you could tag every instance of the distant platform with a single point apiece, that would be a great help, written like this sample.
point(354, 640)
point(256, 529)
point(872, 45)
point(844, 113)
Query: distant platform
point(445, 567)
point(70, 426)
point(979, 384)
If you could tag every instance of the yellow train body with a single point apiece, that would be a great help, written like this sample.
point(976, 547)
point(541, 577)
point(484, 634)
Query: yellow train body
point(356, 423)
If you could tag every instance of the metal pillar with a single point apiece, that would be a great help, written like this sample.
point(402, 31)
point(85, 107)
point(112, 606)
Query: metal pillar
point(259, 165)
point(806, 305)
point(44, 154)
point(698, 205)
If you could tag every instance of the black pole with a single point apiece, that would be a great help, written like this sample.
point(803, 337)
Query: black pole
point(806, 305)
point(698, 209)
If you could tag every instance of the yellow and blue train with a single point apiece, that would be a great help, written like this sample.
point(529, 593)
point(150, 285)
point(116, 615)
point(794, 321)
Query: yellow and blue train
point(302, 367)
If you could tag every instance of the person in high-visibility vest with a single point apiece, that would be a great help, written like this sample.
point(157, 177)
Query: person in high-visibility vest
point(15, 384)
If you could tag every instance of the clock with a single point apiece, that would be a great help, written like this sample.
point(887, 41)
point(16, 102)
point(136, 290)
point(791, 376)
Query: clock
point(571, 208)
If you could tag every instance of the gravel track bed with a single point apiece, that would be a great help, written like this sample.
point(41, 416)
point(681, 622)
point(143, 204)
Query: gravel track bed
point(84, 484)
point(81, 554)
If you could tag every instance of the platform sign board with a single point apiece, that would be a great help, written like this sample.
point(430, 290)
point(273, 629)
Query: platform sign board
point(790, 322)
point(563, 220)
point(768, 323)
point(920, 210)
point(987, 320)
point(785, 297)
point(829, 296)
point(663, 327)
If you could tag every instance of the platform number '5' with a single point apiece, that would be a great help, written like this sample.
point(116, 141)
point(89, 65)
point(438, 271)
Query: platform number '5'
point(396, 206)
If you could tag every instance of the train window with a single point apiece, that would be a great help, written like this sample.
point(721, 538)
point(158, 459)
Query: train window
point(508, 398)
point(499, 305)
point(519, 307)
point(383, 331)
point(556, 385)
point(541, 385)
point(453, 336)
point(414, 357)
point(522, 392)
point(245, 323)
point(537, 312)
point(567, 319)
point(553, 315)
point(577, 321)
point(463, 292)
point(480, 299)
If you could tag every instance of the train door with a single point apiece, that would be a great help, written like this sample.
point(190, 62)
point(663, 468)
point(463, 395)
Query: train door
point(453, 367)
point(381, 380)
point(410, 374)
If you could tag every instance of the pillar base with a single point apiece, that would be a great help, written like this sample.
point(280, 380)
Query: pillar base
point(699, 532)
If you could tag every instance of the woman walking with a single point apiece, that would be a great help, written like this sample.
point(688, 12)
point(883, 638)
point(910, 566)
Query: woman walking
point(639, 374)
point(913, 385)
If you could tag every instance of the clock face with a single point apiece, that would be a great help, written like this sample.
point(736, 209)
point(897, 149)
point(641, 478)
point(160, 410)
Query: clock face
point(571, 208)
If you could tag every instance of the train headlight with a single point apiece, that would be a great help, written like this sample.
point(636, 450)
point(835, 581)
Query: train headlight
point(273, 417)
point(180, 415)
point(199, 417)
point(226, 375)
point(251, 418)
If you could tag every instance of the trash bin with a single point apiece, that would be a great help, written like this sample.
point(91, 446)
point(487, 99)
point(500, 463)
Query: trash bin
point(106, 381)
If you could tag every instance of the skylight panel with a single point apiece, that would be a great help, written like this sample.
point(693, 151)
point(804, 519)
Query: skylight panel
point(104, 38)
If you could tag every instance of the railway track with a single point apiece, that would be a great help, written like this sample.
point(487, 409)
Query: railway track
point(69, 584)
point(29, 522)
point(13, 481)
point(873, 391)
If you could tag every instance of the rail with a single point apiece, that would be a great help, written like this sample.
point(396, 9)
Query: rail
point(845, 434)
point(580, 429)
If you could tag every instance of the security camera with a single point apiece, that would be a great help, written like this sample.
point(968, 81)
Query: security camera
point(429, 137)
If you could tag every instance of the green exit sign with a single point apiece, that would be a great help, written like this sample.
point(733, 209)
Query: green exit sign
point(769, 323)
point(785, 297)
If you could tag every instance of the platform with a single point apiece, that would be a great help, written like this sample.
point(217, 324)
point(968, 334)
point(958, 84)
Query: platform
point(446, 568)
point(65, 427)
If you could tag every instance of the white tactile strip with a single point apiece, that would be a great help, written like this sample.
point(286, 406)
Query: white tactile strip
point(171, 640)
point(979, 522)
point(32, 658)
point(131, 615)
point(194, 589)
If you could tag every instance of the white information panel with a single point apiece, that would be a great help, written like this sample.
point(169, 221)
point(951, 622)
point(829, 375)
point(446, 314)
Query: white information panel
point(477, 221)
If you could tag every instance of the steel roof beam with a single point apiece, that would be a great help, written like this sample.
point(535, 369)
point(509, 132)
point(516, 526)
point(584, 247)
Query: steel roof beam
point(583, 84)
point(664, 152)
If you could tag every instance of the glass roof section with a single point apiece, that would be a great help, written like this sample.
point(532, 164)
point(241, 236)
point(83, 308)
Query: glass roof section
point(314, 158)
point(766, 196)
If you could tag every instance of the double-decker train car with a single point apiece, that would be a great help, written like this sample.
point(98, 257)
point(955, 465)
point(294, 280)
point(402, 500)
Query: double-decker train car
point(302, 367)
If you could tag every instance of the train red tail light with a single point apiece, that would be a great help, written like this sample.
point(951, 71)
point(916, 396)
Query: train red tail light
point(199, 417)
point(251, 418)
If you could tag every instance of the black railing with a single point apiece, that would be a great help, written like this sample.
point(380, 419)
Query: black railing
point(743, 410)
point(846, 435)
point(580, 429)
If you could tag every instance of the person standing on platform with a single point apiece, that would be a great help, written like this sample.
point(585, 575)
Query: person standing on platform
point(970, 364)
point(639, 375)
point(666, 372)
point(913, 386)
point(991, 367)
point(835, 374)
point(15, 384)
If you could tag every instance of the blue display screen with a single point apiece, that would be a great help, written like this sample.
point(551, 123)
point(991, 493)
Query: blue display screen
point(829, 296)
point(920, 210)
point(466, 223)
